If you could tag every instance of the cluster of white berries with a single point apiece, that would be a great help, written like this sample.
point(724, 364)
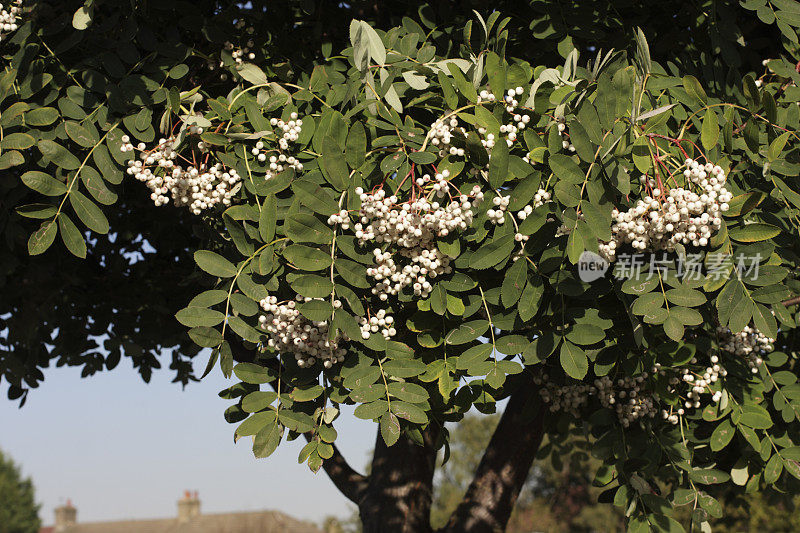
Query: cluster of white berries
point(486, 96)
point(441, 135)
point(238, 54)
point(539, 199)
point(678, 216)
point(199, 187)
point(699, 385)
point(342, 218)
point(627, 398)
point(569, 398)
point(497, 215)
point(749, 343)
point(381, 321)
point(412, 226)
point(442, 130)
point(8, 18)
point(565, 144)
point(287, 133)
point(290, 332)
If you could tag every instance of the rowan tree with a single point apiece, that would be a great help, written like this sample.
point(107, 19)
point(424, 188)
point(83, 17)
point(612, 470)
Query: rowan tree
point(404, 207)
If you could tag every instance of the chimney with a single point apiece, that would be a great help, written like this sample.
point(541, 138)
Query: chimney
point(188, 506)
point(66, 516)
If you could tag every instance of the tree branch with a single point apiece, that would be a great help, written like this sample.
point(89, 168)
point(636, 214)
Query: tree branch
point(349, 482)
point(491, 495)
point(792, 301)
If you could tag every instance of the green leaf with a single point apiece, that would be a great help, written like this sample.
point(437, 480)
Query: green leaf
point(580, 140)
point(744, 203)
point(267, 440)
point(531, 298)
point(255, 423)
point(333, 164)
point(42, 116)
point(312, 286)
point(305, 227)
point(475, 355)
point(755, 416)
point(686, 297)
point(356, 145)
point(575, 247)
point(79, 134)
point(694, 89)
point(43, 183)
point(41, 239)
point(199, 316)
point(372, 410)
point(764, 321)
point(409, 411)
point(574, 360)
point(709, 476)
point(214, 264)
point(88, 212)
point(205, 336)
point(268, 219)
point(565, 168)
point(492, 252)
point(464, 87)
point(497, 75)
point(38, 211)
point(755, 232)
point(514, 283)
point(709, 133)
point(585, 334)
point(409, 392)
point(252, 74)
point(390, 428)
point(776, 146)
point(306, 394)
point(722, 435)
point(258, 400)
point(773, 469)
point(498, 164)
point(252, 373)
point(72, 237)
point(511, 344)
point(17, 141)
point(404, 368)
point(60, 156)
point(641, 154)
point(467, 332)
point(82, 18)
point(307, 258)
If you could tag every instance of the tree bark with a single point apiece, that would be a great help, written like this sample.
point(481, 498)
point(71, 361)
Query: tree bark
point(490, 498)
point(400, 488)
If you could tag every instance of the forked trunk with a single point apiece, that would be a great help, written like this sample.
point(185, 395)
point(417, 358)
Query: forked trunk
point(397, 498)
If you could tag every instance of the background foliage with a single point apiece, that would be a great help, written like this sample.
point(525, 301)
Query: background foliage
point(19, 512)
point(120, 269)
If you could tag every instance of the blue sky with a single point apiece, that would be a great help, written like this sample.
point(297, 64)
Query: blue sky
point(120, 449)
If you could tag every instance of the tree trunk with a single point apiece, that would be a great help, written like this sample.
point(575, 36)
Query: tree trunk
point(397, 498)
point(490, 498)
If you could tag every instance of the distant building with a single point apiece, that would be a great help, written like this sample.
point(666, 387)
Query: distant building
point(188, 520)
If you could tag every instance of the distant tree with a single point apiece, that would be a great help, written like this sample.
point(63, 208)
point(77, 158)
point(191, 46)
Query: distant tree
point(19, 512)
